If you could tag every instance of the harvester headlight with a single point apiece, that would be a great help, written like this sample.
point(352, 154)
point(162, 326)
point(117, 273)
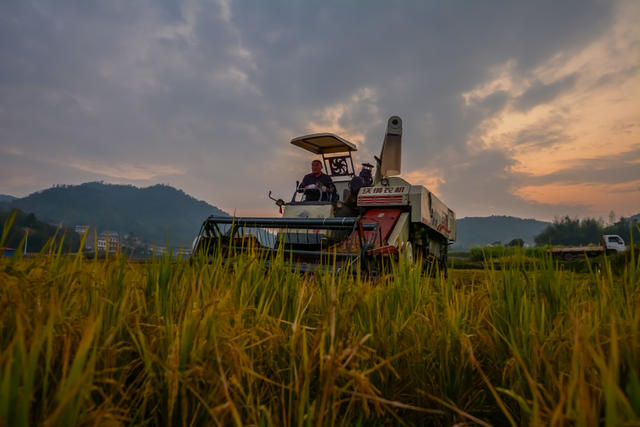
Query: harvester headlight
point(385, 182)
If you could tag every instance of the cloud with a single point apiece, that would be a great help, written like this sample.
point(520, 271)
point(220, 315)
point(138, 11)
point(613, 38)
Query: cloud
point(540, 93)
point(598, 184)
point(545, 133)
point(494, 102)
point(621, 197)
point(14, 151)
point(430, 179)
point(141, 172)
point(207, 95)
point(485, 183)
point(615, 169)
point(576, 104)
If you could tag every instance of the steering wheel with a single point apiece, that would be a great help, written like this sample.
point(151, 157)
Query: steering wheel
point(312, 194)
point(316, 191)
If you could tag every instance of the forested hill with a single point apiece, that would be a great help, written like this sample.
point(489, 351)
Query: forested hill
point(152, 213)
point(39, 233)
point(4, 198)
point(482, 231)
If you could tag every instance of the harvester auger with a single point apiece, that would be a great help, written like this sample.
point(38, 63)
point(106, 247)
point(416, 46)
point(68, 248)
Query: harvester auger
point(360, 221)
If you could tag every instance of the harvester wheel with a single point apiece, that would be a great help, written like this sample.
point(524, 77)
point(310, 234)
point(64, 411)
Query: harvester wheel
point(443, 258)
point(442, 263)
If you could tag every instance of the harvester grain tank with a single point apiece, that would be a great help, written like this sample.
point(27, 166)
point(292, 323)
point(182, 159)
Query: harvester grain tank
point(360, 220)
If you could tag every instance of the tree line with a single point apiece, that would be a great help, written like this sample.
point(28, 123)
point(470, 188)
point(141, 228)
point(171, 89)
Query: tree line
point(27, 229)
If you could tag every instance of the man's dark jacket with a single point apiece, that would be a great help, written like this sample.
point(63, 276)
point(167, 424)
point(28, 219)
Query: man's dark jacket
point(310, 178)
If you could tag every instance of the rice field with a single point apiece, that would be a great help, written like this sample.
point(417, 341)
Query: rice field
point(202, 342)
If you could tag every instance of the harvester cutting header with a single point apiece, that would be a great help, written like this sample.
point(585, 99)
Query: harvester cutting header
point(361, 219)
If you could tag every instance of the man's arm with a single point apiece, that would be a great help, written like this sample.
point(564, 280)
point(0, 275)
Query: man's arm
point(326, 181)
point(311, 179)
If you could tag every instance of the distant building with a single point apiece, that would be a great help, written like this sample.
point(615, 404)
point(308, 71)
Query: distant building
point(107, 240)
point(80, 229)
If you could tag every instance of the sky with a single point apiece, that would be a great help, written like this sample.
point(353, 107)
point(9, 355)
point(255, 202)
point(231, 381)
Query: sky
point(530, 109)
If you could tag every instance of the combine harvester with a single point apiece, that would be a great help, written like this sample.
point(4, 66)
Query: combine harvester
point(360, 221)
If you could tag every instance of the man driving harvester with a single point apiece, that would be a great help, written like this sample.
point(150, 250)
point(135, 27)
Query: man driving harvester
point(317, 185)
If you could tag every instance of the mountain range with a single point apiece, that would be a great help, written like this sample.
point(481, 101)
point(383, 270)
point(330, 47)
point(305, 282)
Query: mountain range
point(4, 198)
point(155, 214)
point(161, 212)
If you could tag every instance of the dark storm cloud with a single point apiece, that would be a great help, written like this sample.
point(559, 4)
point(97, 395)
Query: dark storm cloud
point(539, 93)
point(493, 103)
point(546, 133)
point(215, 90)
point(417, 55)
point(614, 78)
point(110, 82)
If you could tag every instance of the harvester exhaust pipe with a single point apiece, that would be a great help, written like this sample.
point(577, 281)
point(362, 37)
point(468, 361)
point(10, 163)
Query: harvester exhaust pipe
point(389, 162)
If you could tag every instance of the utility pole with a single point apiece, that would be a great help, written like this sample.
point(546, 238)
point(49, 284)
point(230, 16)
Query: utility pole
point(26, 239)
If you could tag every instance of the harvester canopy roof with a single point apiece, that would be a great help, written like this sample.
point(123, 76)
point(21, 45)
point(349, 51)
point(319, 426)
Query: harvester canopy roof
point(324, 143)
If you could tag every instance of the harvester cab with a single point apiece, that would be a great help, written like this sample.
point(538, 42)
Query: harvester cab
point(362, 220)
point(337, 161)
point(319, 200)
